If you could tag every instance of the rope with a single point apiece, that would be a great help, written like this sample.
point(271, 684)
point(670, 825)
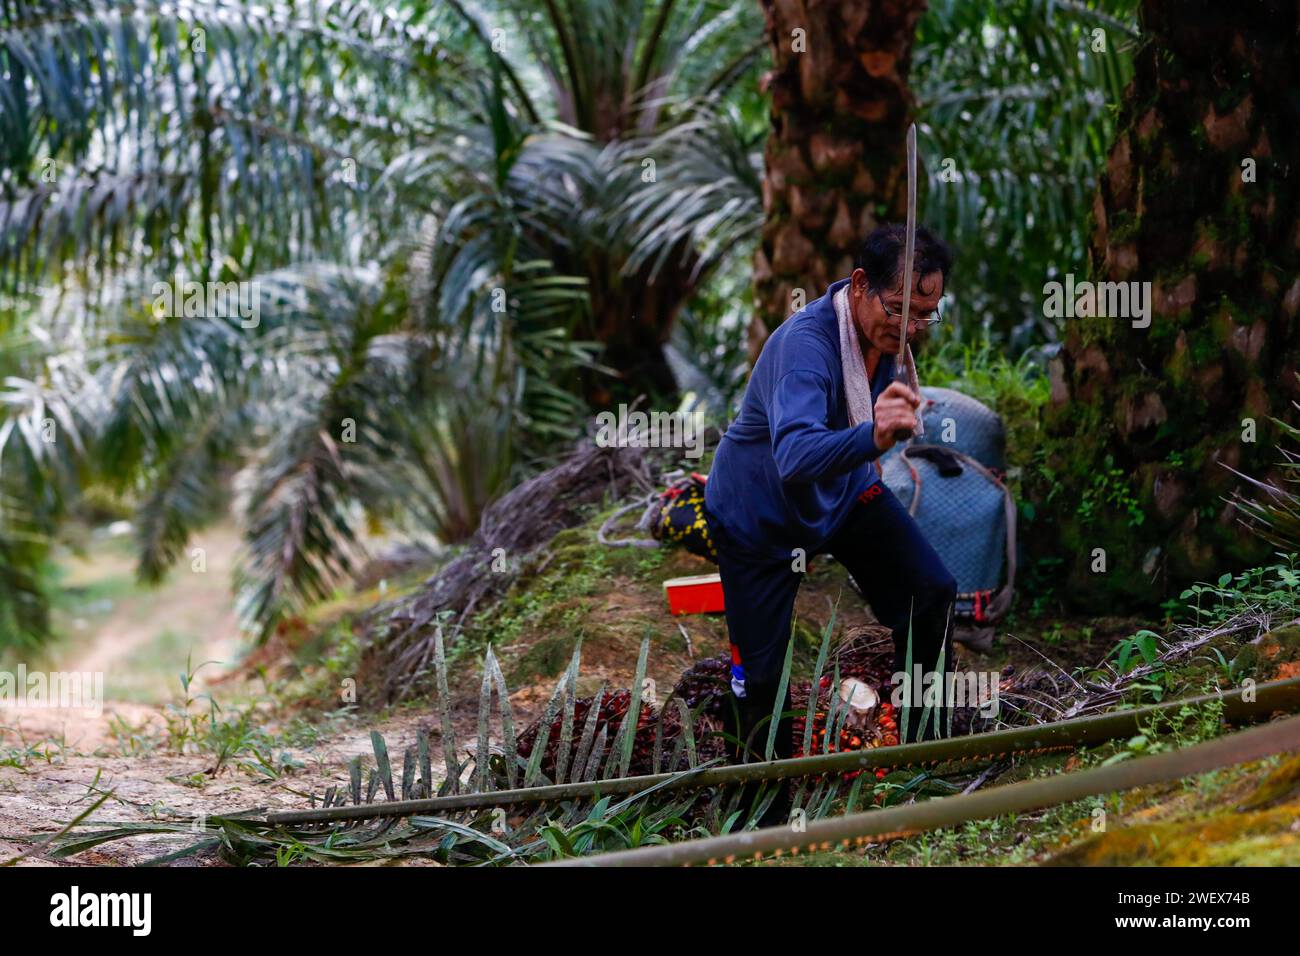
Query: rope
point(650, 504)
point(1000, 602)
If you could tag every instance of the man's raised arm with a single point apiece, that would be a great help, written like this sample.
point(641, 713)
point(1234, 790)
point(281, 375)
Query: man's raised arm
point(804, 446)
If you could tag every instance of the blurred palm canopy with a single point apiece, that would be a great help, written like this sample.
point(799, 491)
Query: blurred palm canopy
point(448, 233)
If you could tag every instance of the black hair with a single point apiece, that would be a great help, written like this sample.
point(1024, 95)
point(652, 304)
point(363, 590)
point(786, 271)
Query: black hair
point(881, 256)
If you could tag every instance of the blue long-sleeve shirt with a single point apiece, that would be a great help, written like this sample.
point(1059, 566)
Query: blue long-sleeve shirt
point(787, 470)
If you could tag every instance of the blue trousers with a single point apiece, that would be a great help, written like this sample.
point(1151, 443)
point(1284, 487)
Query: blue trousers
point(900, 574)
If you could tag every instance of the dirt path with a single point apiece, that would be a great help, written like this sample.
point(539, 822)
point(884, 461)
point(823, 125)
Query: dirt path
point(137, 639)
point(55, 762)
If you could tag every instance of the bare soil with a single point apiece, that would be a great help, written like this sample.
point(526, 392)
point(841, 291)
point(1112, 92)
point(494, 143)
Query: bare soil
point(55, 762)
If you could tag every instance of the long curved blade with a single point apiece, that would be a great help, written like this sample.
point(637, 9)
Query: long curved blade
point(909, 253)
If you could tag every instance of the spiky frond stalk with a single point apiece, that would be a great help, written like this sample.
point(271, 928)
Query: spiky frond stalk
point(1039, 738)
point(873, 826)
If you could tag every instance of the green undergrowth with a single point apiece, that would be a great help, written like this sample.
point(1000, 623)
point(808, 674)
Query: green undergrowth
point(1241, 816)
point(255, 736)
point(1017, 389)
point(324, 648)
point(1236, 816)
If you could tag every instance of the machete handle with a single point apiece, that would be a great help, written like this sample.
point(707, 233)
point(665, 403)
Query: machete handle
point(900, 375)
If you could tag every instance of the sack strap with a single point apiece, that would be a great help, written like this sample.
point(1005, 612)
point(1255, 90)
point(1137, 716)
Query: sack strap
point(1000, 603)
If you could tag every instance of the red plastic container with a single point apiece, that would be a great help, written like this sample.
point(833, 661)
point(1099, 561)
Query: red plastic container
point(699, 594)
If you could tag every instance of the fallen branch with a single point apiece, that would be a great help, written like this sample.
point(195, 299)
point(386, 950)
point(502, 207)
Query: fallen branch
point(1039, 738)
point(401, 633)
point(860, 828)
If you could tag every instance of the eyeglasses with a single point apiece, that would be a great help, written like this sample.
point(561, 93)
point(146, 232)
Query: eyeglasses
point(925, 320)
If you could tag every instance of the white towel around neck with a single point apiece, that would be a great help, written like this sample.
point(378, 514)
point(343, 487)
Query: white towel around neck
point(857, 386)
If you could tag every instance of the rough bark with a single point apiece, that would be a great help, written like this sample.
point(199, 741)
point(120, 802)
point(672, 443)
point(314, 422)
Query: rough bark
point(835, 159)
point(1143, 421)
point(633, 319)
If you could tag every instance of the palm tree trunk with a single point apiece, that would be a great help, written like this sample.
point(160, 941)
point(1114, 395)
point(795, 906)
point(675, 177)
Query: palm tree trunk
point(632, 318)
point(1200, 198)
point(835, 159)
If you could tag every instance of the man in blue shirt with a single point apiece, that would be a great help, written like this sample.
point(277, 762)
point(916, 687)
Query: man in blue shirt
point(794, 477)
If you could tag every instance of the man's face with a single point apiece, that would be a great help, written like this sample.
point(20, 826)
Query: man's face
point(871, 308)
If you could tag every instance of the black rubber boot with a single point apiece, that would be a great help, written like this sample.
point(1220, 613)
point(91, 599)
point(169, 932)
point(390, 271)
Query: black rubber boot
point(748, 719)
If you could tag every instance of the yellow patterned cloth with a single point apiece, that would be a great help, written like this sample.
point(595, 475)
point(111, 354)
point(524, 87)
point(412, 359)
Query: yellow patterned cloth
point(681, 518)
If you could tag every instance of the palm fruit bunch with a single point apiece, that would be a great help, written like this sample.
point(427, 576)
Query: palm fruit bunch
point(883, 733)
point(706, 685)
point(867, 654)
point(612, 710)
point(707, 680)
